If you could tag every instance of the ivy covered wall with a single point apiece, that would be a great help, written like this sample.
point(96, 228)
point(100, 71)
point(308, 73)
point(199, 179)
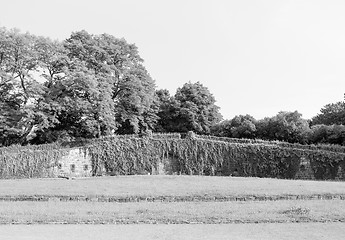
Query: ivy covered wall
point(172, 154)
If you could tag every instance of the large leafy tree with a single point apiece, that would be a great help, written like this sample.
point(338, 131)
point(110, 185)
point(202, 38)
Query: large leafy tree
point(192, 109)
point(118, 66)
point(97, 85)
point(20, 90)
point(10, 114)
point(86, 86)
point(222, 129)
point(168, 111)
point(285, 126)
point(333, 113)
point(334, 134)
point(242, 126)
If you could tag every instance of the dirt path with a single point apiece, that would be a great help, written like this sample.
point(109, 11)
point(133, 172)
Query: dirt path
point(315, 231)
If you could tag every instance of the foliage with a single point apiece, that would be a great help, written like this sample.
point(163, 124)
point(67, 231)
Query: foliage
point(197, 109)
point(26, 163)
point(209, 157)
point(19, 148)
point(242, 126)
point(191, 109)
point(86, 86)
point(30, 161)
point(334, 134)
point(198, 155)
point(166, 135)
point(318, 147)
point(325, 159)
point(19, 90)
point(333, 113)
point(167, 112)
point(285, 126)
point(118, 65)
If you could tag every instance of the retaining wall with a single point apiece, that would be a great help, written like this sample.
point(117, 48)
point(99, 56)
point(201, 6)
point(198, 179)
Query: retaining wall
point(77, 163)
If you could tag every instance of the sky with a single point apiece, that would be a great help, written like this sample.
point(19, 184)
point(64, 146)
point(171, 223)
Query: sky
point(257, 57)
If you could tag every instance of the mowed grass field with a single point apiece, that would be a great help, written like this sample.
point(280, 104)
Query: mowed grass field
point(285, 211)
point(154, 186)
point(194, 206)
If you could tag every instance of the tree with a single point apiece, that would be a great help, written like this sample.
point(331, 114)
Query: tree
point(195, 109)
point(222, 129)
point(167, 111)
point(242, 126)
point(100, 87)
point(19, 89)
point(118, 63)
point(333, 134)
point(333, 113)
point(86, 109)
point(285, 126)
point(86, 86)
point(9, 111)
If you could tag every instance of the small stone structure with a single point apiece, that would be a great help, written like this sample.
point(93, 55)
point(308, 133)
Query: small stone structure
point(75, 164)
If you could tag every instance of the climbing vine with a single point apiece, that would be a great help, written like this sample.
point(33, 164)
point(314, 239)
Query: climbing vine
point(209, 157)
point(28, 163)
point(192, 155)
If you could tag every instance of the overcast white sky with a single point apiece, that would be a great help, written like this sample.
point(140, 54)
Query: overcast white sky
point(257, 57)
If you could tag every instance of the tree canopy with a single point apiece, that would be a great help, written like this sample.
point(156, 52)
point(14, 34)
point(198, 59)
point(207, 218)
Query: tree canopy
point(191, 109)
point(241, 126)
point(86, 86)
point(20, 92)
point(95, 85)
point(285, 126)
point(333, 113)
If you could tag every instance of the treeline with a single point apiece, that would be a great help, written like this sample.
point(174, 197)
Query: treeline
point(327, 127)
point(87, 86)
point(91, 86)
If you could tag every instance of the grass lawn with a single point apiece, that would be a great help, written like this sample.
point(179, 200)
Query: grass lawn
point(172, 212)
point(281, 219)
point(154, 186)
